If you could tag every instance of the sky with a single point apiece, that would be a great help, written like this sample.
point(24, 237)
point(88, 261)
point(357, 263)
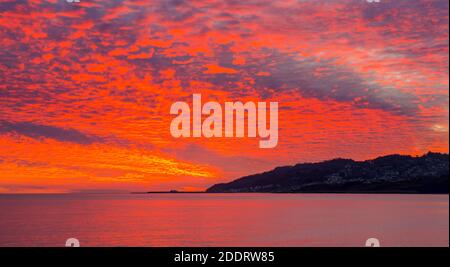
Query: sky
point(86, 88)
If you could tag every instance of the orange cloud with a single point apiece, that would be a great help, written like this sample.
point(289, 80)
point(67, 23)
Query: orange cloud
point(351, 81)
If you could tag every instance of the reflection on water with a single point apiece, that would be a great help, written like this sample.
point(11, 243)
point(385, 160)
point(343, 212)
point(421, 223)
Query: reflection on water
point(224, 220)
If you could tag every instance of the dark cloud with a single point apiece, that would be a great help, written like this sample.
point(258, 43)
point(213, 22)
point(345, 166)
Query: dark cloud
point(313, 78)
point(326, 80)
point(176, 10)
point(37, 131)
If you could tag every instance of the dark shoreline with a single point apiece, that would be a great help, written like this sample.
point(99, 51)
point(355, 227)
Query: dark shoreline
point(168, 192)
point(294, 193)
point(391, 174)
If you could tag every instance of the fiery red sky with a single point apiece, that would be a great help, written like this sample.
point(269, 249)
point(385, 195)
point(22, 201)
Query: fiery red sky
point(86, 88)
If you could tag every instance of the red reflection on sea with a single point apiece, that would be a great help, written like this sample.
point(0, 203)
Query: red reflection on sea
point(224, 219)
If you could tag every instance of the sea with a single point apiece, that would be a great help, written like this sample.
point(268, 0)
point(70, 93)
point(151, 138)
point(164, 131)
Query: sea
point(225, 220)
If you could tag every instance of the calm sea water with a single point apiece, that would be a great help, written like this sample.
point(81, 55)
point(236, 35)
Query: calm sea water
point(224, 219)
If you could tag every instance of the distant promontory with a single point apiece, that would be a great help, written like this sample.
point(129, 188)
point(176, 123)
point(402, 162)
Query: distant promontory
point(428, 174)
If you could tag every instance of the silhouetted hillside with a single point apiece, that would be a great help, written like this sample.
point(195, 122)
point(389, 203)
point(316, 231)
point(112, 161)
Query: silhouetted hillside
point(389, 174)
